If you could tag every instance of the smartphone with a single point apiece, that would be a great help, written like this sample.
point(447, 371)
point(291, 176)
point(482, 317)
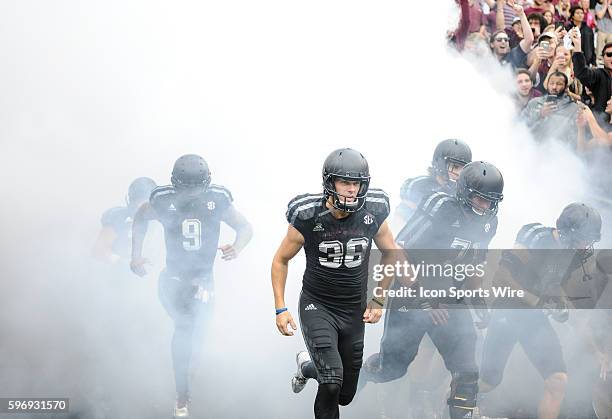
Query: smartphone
point(545, 45)
point(552, 99)
point(567, 42)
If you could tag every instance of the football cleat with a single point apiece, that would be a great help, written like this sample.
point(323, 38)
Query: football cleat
point(298, 381)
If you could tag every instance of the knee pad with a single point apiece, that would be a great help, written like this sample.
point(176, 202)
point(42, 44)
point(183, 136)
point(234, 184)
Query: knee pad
point(464, 389)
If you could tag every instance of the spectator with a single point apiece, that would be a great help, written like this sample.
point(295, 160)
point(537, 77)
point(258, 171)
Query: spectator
point(548, 17)
point(589, 17)
point(508, 10)
point(525, 91)
point(477, 17)
point(603, 14)
point(586, 34)
point(599, 136)
point(539, 6)
point(513, 29)
point(562, 62)
point(460, 34)
point(500, 45)
point(515, 32)
point(553, 115)
point(537, 24)
point(562, 12)
point(587, 97)
point(598, 80)
point(541, 59)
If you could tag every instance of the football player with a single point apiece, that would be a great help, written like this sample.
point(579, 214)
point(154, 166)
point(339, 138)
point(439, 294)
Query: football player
point(191, 211)
point(114, 241)
point(463, 223)
point(541, 275)
point(337, 229)
point(449, 158)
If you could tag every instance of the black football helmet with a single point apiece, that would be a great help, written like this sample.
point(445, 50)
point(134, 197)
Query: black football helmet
point(190, 174)
point(483, 180)
point(449, 152)
point(579, 227)
point(139, 191)
point(347, 164)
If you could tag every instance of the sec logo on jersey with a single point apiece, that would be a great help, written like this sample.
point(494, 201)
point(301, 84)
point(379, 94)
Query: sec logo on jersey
point(368, 219)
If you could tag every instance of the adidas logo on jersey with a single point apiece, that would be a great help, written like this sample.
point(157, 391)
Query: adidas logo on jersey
point(171, 207)
point(403, 309)
point(318, 227)
point(310, 307)
point(368, 219)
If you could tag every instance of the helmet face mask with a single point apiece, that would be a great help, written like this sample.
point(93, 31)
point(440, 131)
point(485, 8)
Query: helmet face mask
point(480, 189)
point(341, 202)
point(579, 228)
point(350, 166)
point(482, 205)
point(449, 158)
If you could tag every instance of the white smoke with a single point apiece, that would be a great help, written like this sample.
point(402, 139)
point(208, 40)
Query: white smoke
point(96, 94)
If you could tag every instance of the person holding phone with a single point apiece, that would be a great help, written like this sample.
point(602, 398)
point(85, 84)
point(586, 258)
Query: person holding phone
point(553, 116)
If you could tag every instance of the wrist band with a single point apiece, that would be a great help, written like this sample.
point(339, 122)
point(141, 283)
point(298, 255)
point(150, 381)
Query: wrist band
point(280, 310)
point(379, 301)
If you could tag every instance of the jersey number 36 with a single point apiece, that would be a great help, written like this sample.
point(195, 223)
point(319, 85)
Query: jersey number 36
point(335, 255)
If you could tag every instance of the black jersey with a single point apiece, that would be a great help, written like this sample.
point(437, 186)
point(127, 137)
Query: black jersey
point(441, 223)
point(120, 220)
point(191, 226)
point(547, 265)
point(337, 250)
point(413, 190)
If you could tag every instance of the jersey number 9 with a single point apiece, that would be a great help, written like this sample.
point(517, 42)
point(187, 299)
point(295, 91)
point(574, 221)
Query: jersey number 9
point(192, 231)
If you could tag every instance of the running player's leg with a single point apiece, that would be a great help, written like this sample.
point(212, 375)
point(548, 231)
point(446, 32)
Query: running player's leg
point(350, 347)
point(456, 342)
point(498, 345)
point(176, 296)
point(543, 348)
point(399, 345)
point(204, 302)
point(319, 328)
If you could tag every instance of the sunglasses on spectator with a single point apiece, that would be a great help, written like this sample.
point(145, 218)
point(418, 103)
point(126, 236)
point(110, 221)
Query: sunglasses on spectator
point(502, 39)
point(608, 54)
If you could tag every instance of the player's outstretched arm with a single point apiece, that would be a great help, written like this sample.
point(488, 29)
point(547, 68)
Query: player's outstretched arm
point(244, 233)
point(139, 230)
point(290, 246)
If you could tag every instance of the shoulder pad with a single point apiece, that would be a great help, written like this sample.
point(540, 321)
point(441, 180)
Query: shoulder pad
point(419, 185)
point(303, 207)
point(533, 235)
point(440, 204)
point(221, 190)
point(377, 202)
point(161, 191)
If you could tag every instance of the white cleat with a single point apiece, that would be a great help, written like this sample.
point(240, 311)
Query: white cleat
point(298, 381)
point(181, 411)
